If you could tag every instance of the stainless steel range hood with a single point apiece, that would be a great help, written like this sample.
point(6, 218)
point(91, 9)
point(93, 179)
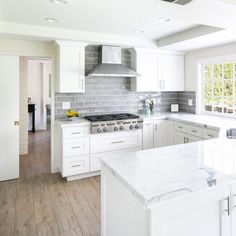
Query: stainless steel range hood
point(110, 64)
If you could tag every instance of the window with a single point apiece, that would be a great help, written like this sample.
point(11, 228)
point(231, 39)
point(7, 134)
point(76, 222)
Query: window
point(219, 88)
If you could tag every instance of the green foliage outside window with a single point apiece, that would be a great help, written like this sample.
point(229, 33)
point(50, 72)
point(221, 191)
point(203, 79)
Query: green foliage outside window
point(220, 87)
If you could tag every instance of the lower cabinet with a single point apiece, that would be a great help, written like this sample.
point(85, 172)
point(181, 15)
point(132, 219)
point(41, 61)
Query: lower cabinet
point(201, 214)
point(158, 133)
point(148, 134)
point(181, 138)
point(163, 133)
point(75, 165)
point(95, 159)
point(233, 209)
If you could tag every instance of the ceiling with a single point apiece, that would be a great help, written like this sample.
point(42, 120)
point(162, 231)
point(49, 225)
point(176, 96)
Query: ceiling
point(122, 17)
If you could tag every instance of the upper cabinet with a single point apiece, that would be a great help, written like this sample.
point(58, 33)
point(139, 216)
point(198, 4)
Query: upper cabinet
point(159, 71)
point(171, 72)
point(71, 67)
point(145, 62)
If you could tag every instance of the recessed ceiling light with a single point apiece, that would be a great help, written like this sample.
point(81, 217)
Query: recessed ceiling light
point(138, 31)
point(59, 2)
point(51, 20)
point(164, 19)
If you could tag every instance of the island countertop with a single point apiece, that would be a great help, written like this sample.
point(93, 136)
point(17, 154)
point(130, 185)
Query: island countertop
point(161, 174)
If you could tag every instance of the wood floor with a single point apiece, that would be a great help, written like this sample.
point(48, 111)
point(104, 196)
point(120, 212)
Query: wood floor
point(39, 203)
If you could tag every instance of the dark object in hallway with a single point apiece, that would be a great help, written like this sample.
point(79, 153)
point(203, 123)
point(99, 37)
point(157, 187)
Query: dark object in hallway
point(31, 109)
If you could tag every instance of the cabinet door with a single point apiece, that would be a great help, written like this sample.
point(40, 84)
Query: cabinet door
point(200, 214)
point(191, 139)
point(148, 135)
point(171, 72)
point(180, 137)
point(160, 137)
point(147, 67)
point(71, 69)
point(170, 140)
point(233, 209)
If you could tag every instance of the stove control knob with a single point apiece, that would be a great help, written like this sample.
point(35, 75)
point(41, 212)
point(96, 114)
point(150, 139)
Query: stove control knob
point(122, 128)
point(115, 128)
point(99, 130)
point(104, 129)
point(136, 126)
point(131, 126)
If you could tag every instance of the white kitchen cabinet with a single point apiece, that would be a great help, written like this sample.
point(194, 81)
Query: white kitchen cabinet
point(171, 72)
point(170, 133)
point(233, 209)
point(160, 136)
point(191, 139)
point(160, 71)
point(202, 214)
point(145, 62)
point(71, 67)
point(158, 133)
point(180, 137)
point(148, 135)
point(108, 142)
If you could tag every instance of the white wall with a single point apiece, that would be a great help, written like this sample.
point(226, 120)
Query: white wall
point(38, 90)
point(191, 62)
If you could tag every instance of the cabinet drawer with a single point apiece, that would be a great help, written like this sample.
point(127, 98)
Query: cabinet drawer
point(75, 147)
point(75, 132)
point(118, 141)
point(209, 134)
point(195, 131)
point(75, 165)
point(181, 127)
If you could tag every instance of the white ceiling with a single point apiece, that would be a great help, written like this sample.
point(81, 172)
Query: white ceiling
point(121, 17)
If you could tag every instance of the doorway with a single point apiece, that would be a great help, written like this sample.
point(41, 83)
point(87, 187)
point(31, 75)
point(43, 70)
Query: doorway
point(35, 115)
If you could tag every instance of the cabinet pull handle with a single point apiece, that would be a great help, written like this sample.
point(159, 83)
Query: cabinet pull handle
point(228, 205)
point(210, 135)
point(76, 165)
point(76, 133)
point(194, 131)
point(76, 147)
point(180, 127)
point(117, 142)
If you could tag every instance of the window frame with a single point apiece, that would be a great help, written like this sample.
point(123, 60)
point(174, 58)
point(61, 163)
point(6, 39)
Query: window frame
point(228, 59)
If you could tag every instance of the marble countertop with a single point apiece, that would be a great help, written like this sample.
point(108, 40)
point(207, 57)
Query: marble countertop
point(161, 174)
point(223, 123)
point(67, 123)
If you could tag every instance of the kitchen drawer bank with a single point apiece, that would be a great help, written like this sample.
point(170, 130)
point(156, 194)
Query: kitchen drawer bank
point(79, 152)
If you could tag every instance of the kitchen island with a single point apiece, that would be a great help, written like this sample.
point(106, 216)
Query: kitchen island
point(181, 190)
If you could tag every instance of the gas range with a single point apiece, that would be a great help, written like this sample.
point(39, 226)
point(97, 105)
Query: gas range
point(115, 122)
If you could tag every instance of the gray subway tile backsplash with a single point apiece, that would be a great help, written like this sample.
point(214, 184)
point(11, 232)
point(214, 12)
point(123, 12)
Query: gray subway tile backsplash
point(112, 95)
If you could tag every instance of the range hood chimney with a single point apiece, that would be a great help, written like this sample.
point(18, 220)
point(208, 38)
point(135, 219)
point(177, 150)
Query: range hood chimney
point(110, 64)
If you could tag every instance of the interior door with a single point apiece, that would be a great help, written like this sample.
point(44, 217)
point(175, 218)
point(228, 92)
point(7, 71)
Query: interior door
point(9, 129)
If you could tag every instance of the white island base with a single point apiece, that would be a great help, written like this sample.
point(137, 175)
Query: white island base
point(201, 211)
point(199, 214)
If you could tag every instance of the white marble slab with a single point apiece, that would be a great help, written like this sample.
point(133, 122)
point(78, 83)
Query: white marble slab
point(66, 123)
point(164, 173)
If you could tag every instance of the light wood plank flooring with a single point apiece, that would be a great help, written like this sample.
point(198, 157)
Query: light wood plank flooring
point(40, 203)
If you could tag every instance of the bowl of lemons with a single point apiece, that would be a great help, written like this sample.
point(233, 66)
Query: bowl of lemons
point(72, 115)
